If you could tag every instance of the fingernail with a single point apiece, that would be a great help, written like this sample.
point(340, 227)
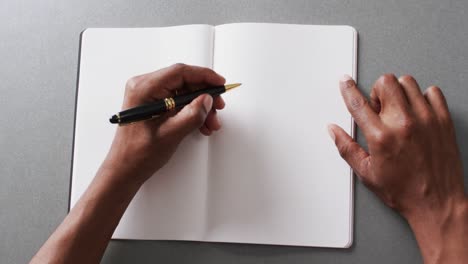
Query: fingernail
point(208, 103)
point(331, 133)
point(345, 81)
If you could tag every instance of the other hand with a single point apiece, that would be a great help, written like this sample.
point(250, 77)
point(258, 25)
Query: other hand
point(413, 163)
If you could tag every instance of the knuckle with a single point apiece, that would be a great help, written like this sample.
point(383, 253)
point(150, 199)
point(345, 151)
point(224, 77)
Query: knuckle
point(197, 116)
point(132, 84)
point(364, 165)
point(407, 126)
point(344, 149)
point(426, 117)
point(380, 138)
point(178, 66)
point(357, 103)
point(387, 79)
point(407, 123)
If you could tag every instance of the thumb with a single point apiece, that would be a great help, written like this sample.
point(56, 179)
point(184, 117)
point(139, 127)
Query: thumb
point(350, 151)
point(191, 117)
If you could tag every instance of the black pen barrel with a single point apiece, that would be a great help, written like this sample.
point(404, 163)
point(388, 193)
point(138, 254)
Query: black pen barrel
point(142, 112)
point(182, 100)
point(151, 110)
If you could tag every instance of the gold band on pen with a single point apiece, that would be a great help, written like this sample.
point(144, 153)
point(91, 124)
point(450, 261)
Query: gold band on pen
point(166, 101)
point(170, 103)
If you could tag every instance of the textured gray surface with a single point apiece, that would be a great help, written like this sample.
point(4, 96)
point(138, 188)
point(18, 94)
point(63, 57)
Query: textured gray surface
point(38, 64)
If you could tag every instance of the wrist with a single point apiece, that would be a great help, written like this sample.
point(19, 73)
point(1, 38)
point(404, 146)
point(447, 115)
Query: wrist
point(126, 165)
point(117, 172)
point(137, 160)
point(442, 232)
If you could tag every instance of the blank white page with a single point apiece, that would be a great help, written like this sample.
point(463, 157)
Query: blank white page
point(275, 176)
point(171, 205)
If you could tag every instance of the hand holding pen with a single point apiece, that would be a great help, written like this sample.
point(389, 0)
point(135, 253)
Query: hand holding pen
point(147, 146)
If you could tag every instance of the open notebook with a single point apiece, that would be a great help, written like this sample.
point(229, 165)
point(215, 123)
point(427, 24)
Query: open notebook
point(271, 175)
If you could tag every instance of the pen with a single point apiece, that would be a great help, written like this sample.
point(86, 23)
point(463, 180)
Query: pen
point(152, 110)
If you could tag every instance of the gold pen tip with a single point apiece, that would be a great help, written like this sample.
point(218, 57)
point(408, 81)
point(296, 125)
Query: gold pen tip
point(232, 86)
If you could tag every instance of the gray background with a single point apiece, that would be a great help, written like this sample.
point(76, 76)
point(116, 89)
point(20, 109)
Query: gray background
point(38, 66)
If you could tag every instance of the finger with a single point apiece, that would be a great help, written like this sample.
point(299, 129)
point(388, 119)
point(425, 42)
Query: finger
point(358, 106)
point(413, 94)
point(388, 92)
point(218, 102)
point(436, 99)
point(350, 151)
point(375, 104)
point(190, 118)
point(212, 121)
point(190, 87)
point(179, 75)
point(205, 131)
